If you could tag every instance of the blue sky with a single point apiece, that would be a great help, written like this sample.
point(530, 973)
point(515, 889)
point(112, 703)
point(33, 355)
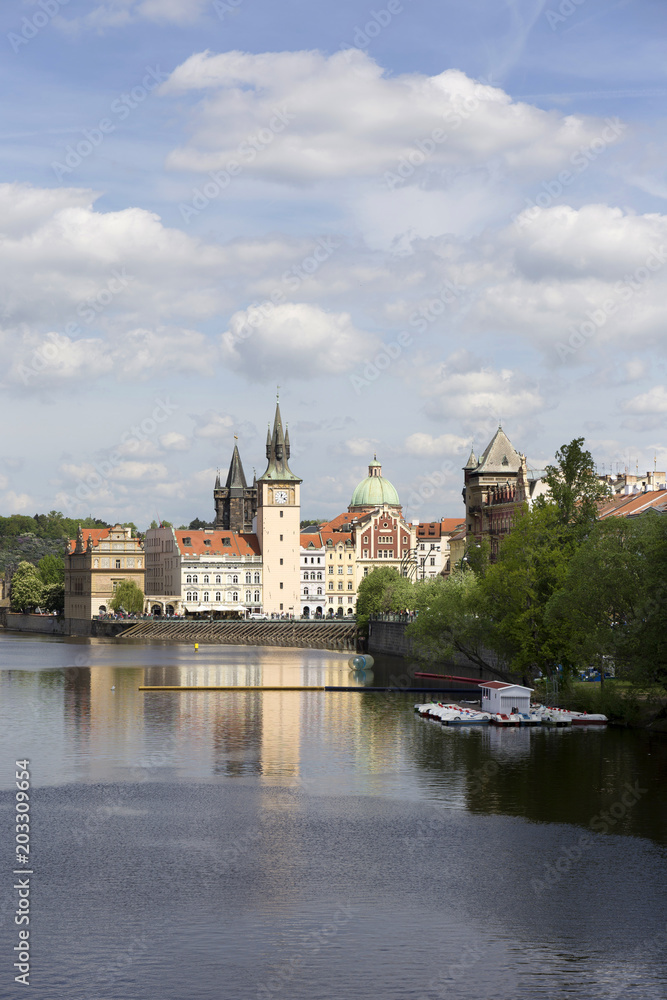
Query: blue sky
point(418, 218)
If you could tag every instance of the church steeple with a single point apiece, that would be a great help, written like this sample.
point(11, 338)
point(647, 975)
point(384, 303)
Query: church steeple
point(277, 453)
point(235, 476)
point(235, 502)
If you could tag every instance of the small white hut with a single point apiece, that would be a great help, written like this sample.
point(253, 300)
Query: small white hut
point(502, 698)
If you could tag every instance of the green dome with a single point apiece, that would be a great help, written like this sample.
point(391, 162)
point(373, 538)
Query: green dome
point(374, 491)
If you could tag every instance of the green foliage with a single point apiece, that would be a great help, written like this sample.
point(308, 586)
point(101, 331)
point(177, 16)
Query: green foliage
point(383, 590)
point(307, 524)
point(574, 487)
point(451, 620)
point(614, 600)
point(26, 589)
point(52, 525)
point(532, 565)
point(51, 569)
point(196, 525)
point(128, 597)
point(53, 598)
point(477, 557)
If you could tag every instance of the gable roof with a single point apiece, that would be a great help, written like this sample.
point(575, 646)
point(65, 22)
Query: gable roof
point(500, 456)
point(237, 544)
point(500, 685)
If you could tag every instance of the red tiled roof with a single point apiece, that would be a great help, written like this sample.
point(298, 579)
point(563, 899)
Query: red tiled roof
point(633, 503)
point(499, 685)
point(448, 524)
point(336, 536)
point(239, 544)
point(97, 535)
point(313, 538)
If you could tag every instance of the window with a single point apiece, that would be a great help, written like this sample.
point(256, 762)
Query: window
point(195, 579)
point(256, 596)
point(432, 560)
point(281, 514)
point(117, 563)
point(330, 570)
point(340, 600)
point(330, 584)
point(248, 596)
point(206, 578)
point(350, 600)
point(281, 584)
point(312, 576)
point(319, 576)
point(350, 586)
point(256, 580)
point(365, 570)
point(248, 578)
point(235, 595)
point(281, 562)
point(188, 578)
point(235, 578)
point(340, 585)
point(187, 542)
point(318, 559)
point(349, 570)
point(340, 570)
point(205, 597)
point(218, 579)
point(319, 591)
point(218, 596)
point(226, 541)
point(281, 538)
point(207, 541)
point(365, 553)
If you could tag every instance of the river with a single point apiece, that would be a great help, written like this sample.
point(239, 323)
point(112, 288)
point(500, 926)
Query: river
point(316, 845)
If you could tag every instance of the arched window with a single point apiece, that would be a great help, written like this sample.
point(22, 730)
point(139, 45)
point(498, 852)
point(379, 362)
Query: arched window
point(188, 578)
point(195, 579)
point(218, 596)
point(257, 579)
point(312, 576)
point(248, 578)
point(206, 578)
point(218, 579)
point(319, 591)
point(319, 576)
point(235, 578)
point(229, 578)
point(248, 596)
point(205, 597)
point(256, 596)
point(235, 595)
point(305, 591)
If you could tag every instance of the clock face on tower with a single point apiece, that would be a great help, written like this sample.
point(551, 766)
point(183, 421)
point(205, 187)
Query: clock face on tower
point(280, 496)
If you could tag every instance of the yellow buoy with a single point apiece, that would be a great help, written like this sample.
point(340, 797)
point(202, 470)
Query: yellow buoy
point(196, 645)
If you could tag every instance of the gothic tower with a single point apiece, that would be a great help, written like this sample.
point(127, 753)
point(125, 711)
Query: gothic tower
point(278, 524)
point(235, 502)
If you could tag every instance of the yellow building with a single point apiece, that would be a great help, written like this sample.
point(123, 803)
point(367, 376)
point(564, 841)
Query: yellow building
point(96, 565)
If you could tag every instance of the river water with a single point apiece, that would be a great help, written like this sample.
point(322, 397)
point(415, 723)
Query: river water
point(324, 846)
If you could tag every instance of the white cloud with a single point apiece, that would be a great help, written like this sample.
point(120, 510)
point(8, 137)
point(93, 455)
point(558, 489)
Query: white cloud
point(425, 444)
point(483, 395)
point(120, 13)
point(214, 426)
point(17, 503)
point(174, 441)
point(361, 446)
point(342, 116)
point(294, 340)
point(653, 401)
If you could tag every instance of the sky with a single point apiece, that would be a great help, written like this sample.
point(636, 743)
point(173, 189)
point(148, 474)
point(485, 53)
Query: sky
point(419, 218)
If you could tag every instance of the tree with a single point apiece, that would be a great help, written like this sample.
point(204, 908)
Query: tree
point(452, 620)
point(128, 597)
point(197, 525)
point(318, 520)
point(574, 487)
point(53, 597)
point(532, 565)
point(51, 570)
point(26, 588)
point(383, 590)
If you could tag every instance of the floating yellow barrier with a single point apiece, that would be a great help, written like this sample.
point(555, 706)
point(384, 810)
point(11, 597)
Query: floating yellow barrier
point(230, 687)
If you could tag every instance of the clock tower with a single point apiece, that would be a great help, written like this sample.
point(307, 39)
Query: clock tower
point(279, 525)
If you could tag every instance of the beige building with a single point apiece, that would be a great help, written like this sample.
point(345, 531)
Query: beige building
point(278, 525)
point(96, 564)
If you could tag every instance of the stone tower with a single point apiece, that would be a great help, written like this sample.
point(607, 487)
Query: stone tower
point(278, 524)
point(235, 502)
